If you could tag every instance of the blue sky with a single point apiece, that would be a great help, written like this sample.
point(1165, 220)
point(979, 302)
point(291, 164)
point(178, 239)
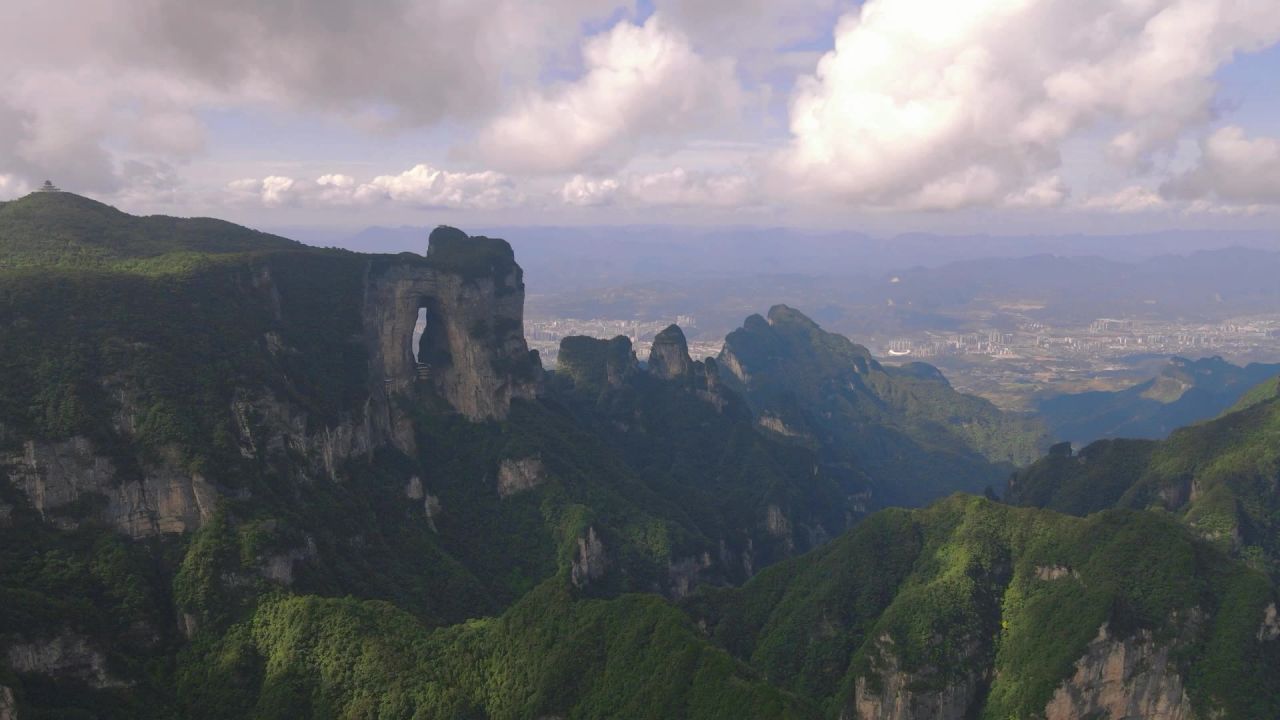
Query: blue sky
point(885, 116)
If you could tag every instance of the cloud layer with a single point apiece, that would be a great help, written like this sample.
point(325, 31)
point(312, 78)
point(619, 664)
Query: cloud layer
point(825, 106)
point(938, 104)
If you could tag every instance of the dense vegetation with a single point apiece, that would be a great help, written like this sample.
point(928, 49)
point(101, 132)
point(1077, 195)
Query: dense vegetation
point(1220, 477)
point(913, 435)
point(646, 558)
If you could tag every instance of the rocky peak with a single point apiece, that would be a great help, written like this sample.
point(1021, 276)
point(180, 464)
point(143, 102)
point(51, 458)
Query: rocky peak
point(597, 364)
point(472, 350)
point(669, 357)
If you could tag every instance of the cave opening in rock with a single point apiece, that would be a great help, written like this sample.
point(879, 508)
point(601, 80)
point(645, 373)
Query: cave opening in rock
point(418, 329)
point(430, 338)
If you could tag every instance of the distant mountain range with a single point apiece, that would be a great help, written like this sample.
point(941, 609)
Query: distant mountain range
point(1184, 392)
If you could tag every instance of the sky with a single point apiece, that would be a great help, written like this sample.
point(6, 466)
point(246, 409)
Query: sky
point(882, 116)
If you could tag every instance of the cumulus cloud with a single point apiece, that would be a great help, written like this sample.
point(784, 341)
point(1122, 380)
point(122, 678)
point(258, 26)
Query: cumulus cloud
point(420, 186)
point(1132, 199)
point(642, 84)
point(1233, 168)
point(673, 188)
point(939, 104)
point(126, 80)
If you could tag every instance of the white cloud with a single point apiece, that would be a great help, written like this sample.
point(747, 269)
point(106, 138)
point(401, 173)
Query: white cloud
point(120, 80)
point(426, 186)
point(419, 186)
point(1234, 169)
point(1132, 199)
point(1046, 192)
point(941, 104)
point(583, 191)
point(673, 188)
point(643, 85)
point(11, 187)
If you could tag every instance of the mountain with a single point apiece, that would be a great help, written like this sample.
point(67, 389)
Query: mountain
point(1219, 477)
point(972, 609)
point(911, 435)
point(1184, 392)
point(233, 486)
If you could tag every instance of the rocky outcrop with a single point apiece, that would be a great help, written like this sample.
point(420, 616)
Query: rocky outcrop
point(1270, 629)
point(684, 574)
point(893, 694)
point(669, 357)
point(8, 704)
point(589, 561)
point(1122, 678)
point(1050, 573)
point(67, 655)
point(515, 476)
point(267, 427)
point(279, 568)
point(67, 483)
point(595, 364)
point(472, 350)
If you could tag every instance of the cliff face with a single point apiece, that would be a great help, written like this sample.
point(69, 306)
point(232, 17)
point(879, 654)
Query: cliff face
point(61, 478)
point(473, 355)
point(1122, 678)
point(472, 351)
point(669, 356)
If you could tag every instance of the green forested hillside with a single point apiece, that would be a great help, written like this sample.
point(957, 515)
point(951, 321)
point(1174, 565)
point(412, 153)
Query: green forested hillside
point(914, 436)
point(1220, 477)
point(218, 499)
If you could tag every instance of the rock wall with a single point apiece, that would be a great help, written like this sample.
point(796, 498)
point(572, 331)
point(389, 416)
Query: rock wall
point(67, 482)
point(589, 561)
point(515, 476)
point(8, 704)
point(669, 356)
point(898, 695)
point(473, 351)
point(1129, 678)
point(67, 655)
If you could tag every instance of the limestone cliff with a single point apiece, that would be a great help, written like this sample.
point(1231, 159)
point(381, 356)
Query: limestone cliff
point(669, 356)
point(67, 482)
point(67, 655)
point(1122, 678)
point(894, 694)
point(597, 365)
point(472, 350)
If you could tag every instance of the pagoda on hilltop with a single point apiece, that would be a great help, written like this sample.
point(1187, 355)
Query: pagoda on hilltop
point(49, 187)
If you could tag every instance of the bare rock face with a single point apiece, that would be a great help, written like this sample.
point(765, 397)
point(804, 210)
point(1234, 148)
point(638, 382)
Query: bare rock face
point(67, 482)
point(596, 364)
point(267, 426)
point(1129, 678)
point(589, 562)
point(8, 704)
point(900, 695)
point(67, 655)
point(472, 351)
point(515, 476)
point(669, 357)
point(1270, 629)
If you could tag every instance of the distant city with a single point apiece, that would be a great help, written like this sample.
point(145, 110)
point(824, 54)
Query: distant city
point(1008, 366)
